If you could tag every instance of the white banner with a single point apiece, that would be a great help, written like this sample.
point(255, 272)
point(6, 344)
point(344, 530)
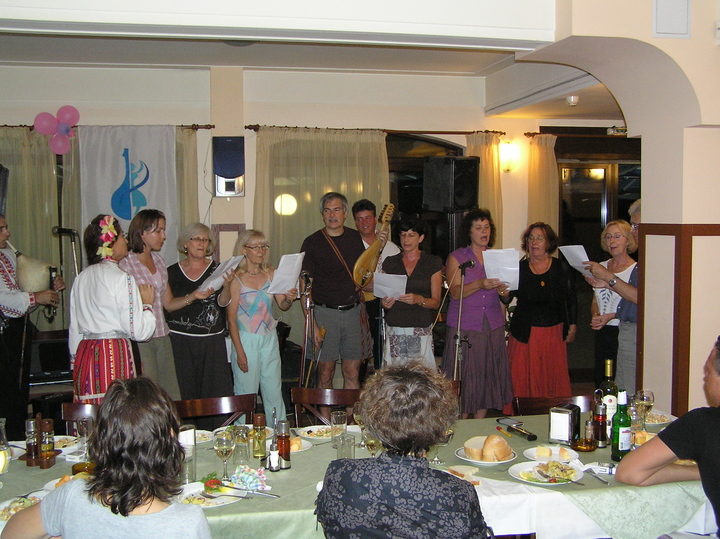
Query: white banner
point(125, 169)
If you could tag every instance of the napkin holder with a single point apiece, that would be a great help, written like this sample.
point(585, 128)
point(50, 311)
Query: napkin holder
point(564, 424)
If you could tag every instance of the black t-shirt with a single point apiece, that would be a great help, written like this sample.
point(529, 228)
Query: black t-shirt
point(332, 284)
point(201, 317)
point(420, 282)
point(696, 436)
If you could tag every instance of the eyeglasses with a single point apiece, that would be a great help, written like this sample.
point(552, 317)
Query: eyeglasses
point(538, 239)
point(257, 248)
point(198, 239)
point(617, 236)
point(634, 226)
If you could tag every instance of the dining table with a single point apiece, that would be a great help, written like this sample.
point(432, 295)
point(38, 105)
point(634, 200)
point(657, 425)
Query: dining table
point(591, 509)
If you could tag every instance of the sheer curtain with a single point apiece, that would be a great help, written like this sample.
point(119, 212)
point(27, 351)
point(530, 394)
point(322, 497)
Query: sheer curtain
point(486, 146)
point(186, 167)
point(305, 164)
point(543, 182)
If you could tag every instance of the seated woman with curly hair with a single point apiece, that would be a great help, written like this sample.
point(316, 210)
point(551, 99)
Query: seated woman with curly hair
point(138, 460)
point(408, 408)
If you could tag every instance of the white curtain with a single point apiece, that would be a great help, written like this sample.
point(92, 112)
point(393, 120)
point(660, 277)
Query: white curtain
point(307, 163)
point(186, 169)
point(32, 204)
point(486, 146)
point(543, 182)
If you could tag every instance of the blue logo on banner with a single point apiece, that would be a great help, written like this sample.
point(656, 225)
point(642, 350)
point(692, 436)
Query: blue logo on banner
point(127, 199)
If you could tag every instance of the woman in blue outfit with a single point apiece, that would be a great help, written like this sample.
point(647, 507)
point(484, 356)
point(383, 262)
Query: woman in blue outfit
point(255, 356)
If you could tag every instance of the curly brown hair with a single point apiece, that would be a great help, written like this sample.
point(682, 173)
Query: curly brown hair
point(408, 408)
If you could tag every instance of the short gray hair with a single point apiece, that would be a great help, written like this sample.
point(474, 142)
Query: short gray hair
point(634, 208)
point(330, 196)
point(191, 230)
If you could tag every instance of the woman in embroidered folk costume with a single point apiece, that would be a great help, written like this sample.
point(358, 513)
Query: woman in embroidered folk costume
point(544, 319)
point(107, 309)
point(255, 356)
point(410, 317)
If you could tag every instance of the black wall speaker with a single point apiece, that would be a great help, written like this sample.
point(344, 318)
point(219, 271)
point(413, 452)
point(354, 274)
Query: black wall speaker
point(450, 184)
point(229, 165)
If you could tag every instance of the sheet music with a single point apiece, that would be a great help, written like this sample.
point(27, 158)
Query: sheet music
point(388, 284)
point(576, 255)
point(287, 273)
point(216, 279)
point(503, 264)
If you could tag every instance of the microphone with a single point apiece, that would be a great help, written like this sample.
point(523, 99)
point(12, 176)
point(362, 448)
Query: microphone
point(529, 436)
point(60, 231)
point(305, 276)
point(468, 264)
point(49, 309)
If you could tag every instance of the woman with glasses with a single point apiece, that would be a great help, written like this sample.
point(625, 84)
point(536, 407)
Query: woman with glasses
point(255, 356)
point(618, 240)
point(197, 320)
point(146, 236)
point(544, 319)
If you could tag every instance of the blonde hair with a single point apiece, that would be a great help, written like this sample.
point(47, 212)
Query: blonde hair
point(242, 241)
point(626, 229)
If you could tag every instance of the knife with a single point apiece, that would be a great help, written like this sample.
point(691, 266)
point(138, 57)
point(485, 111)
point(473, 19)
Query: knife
point(598, 477)
point(259, 492)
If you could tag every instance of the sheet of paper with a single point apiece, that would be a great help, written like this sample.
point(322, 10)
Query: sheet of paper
point(216, 279)
point(287, 273)
point(576, 255)
point(386, 284)
point(503, 264)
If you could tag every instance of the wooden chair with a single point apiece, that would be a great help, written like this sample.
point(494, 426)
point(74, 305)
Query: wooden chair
point(72, 411)
point(542, 405)
point(235, 405)
point(309, 398)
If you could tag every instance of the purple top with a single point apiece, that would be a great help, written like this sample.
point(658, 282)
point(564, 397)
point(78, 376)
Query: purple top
point(479, 305)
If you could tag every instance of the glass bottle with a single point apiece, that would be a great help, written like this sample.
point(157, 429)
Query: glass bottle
point(609, 390)
point(32, 449)
point(259, 447)
point(600, 424)
point(587, 441)
point(621, 429)
point(283, 443)
point(47, 442)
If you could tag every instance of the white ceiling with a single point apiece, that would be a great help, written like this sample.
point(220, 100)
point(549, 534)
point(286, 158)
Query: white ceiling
point(25, 49)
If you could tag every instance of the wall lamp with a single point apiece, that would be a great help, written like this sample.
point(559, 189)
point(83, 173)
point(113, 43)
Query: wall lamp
point(509, 156)
point(285, 204)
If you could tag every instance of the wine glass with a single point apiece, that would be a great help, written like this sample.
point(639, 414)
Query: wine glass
point(360, 422)
point(644, 400)
point(443, 442)
point(372, 444)
point(224, 445)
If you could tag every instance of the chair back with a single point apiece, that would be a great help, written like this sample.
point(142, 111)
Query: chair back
point(72, 411)
point(542, 405)
point(309, 398)
point(235, 405)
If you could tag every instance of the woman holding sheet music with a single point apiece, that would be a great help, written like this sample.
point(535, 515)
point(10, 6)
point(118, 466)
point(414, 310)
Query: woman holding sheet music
point(544, 319)
point(484, 371)
point(197, 319)
point(255, 356)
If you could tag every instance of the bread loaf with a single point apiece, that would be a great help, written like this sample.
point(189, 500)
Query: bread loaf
point(474, 447)
point(496, 449)
point(564, 454)
point(465, 472)
point(295, 444)
point(543, 451)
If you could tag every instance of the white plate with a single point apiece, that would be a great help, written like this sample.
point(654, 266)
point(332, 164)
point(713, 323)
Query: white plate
point(268, 431)
point(531, 454)
point(39, 494)
point(658, 413)
point(460, 453)
point(202, 436)
point(515, 470)
point(303, 433)
point(193, 490)
point(305, 445)
point(71, 443)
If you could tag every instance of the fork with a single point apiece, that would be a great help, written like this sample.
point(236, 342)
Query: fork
point(213, 496)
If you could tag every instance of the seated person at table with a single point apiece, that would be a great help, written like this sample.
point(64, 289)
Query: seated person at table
point(693, 436)
point(138, 460)
point(408, 408)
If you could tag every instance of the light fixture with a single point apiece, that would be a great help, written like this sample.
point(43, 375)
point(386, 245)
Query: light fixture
point(285, 204)
point(509, 156)
point(572, 100)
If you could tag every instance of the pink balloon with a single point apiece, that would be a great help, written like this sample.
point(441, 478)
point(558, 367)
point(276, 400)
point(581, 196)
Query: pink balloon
point(69, 115)
point(59, 144)
point(45, 124)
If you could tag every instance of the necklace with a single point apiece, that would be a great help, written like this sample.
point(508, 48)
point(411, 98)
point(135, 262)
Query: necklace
point(250, 273)
point(536, 272)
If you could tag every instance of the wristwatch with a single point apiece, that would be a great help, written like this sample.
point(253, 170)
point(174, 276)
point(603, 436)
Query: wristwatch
point(613, 281)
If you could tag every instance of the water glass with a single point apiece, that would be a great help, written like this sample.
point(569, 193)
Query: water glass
point(637, 425)
point(338, 425)
point(186, 437)
point(84, 427)
point(346, 446)
point(242, 446)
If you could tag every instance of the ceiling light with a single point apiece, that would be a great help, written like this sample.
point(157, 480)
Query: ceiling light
point(572, 100)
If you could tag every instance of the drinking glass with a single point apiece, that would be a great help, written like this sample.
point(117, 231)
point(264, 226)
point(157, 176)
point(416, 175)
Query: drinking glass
point(644, 400)
point(372, 444)
point(186, 437)
point(84, 430)
point(5, 451)
point(346, 446)
point(360, 422)
point(338, 425)
point(242, 446)
point(446, 440)
point(224, 445)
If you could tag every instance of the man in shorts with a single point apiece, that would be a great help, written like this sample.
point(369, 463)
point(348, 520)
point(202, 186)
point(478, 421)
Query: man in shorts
point(335, 295)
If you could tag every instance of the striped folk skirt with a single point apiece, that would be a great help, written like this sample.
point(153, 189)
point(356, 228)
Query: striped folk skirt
point(97, 363)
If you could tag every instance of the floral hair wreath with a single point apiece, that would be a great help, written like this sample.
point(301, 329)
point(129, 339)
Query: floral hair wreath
point(108, 235)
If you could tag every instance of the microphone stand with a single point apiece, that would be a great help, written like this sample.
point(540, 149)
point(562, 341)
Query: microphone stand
point(309, 331)
point(458, 340)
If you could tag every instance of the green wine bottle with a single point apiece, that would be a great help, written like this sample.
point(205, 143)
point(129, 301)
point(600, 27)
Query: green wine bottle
point(609, 395)
point(621, 432)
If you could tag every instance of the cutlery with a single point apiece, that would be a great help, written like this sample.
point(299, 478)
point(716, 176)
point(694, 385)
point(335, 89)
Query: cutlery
point(260, 492)
point(546, 476)
point(213, 496)
point(598, 477)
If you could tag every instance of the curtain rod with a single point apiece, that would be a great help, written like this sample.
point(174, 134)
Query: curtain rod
point(531, 135)
point(256, 127)
point(193, 126)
